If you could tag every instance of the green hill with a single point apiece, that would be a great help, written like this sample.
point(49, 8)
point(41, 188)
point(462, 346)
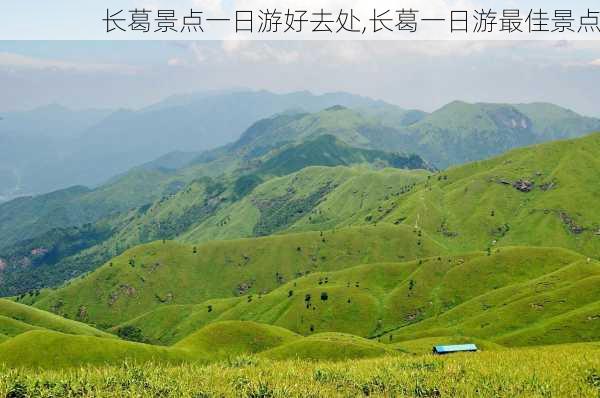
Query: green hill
point(17, 318)
point(279, 204)
point(516, 296)
point(230, 341)
point(165, 204)
point(327, 150)
point(461, 132)
point(53, 350)
point(196, 199)
point(160, 273)
point(329, 347)
point(545, 195)
point(471, 207)
point(233, 338)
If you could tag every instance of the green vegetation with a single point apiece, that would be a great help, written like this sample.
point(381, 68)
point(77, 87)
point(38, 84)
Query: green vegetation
point(165, 204)
point(234, 338)
point(329, 347)
point(514, 297)
point(167, 272)
point(313, 199)
point(307, 250)
point(560, 371)
point(461, 132)
point(479, 205)
point(17, 318)
point(327, 150)
point(211, 197)
point(54, 350)
point(219, 341)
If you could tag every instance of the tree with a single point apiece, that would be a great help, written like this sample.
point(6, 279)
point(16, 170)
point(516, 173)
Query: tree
point(324, 296)
point(307, 300)
point(131, 333)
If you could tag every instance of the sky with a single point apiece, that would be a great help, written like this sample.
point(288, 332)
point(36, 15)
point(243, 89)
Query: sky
point(412, 74)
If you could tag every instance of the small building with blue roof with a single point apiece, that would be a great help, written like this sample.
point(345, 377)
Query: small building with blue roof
point(449, 349)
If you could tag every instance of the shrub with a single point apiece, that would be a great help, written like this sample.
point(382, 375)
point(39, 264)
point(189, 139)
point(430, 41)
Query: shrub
point(131, 333)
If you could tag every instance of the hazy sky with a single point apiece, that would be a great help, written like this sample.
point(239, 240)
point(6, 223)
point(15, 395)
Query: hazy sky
point(423, 75)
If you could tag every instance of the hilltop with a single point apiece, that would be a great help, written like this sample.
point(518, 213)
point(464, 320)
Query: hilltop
point(461, 132)
point(52, 147)
point(17, 318)
point(166, 272)
point(519, 198)
point(544, 195)
point(474, 295)
point(152, 202)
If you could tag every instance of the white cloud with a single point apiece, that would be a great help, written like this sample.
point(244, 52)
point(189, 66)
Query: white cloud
point(18, 61)
point(595, 62)
point(257, 52)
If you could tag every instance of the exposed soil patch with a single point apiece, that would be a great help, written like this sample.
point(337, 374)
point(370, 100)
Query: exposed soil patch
point(126, 290)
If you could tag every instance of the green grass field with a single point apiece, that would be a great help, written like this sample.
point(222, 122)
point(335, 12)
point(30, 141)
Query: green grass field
point(361, 273)
point(477, 295)
point(557, 371)
point(161, 273)
point(17, 318)
point(216, 342)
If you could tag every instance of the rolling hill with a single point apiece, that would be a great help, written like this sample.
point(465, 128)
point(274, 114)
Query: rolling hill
point(512, 297)
point(544, 195)
point(166, 272)
point(455, 134)
point(64, 252)
point(461, 132)
point(520, 198)
point(220, 341)
point(17, 318)
point(474, 295)
point(52, 147)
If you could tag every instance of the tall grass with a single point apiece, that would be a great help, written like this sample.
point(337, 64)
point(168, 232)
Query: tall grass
point(561, 371)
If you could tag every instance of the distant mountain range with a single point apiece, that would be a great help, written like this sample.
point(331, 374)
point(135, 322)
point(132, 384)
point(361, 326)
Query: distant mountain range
point(315, 234)
point(53, 148)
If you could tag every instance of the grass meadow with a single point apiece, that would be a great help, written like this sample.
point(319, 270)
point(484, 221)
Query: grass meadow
point(556, 371)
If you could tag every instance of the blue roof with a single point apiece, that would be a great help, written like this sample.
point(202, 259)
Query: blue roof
point(455, 348)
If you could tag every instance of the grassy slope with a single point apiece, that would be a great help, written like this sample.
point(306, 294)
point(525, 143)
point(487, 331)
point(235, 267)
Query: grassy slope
point(329, 347)
point(225, 340)
point(17, 318)
point(465, 208)
point(352, 195)
point(159, 273)
point(471, 203)
point(461, 132)
point(48, 349)
point(183, 200)
point(467, 295)
point(229, 339)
